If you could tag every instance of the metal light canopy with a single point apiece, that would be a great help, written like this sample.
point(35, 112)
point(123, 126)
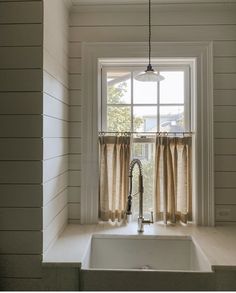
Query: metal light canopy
point(149, 74)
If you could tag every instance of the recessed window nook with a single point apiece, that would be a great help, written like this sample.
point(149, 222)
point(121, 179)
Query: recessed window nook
point(195, 56)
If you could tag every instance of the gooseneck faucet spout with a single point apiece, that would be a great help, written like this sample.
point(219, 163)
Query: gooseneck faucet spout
point(141, 220)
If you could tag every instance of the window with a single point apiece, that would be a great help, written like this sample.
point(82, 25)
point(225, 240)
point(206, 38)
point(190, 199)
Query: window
point(143, 109)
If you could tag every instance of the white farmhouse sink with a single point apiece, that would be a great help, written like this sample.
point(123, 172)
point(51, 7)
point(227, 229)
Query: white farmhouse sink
point(145, 252)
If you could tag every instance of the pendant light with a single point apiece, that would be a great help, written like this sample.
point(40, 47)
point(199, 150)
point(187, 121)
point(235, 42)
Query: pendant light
point(149, 74)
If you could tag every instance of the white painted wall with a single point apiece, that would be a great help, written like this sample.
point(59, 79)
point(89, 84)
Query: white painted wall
point(55, 120)
point(171, 22)
point(21, 144)
point(34, 157)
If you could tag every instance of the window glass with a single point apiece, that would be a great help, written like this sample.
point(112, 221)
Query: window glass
point(118, 87)
point(145, 118)
point(144, 152)
point(172, 118)
point(172, 87)
point(144, 92)
point(118, 118)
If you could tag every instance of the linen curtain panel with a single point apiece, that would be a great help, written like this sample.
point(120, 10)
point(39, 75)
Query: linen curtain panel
point(173, 184)
point(114, 180)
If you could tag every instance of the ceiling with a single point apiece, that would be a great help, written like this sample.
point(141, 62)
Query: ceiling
point(109, 2)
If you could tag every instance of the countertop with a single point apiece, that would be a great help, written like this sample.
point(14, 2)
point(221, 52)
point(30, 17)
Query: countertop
point(218, 243)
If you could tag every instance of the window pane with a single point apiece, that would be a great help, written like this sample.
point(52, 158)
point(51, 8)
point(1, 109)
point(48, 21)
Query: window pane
point(172, 118)
point(144, 92)
point(172, 87)
point(118, 118)
point(145, 118)
point(144, 151)
point(118, 87)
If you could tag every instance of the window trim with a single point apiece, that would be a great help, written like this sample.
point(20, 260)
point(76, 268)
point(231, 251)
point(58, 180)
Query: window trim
point(201, 54)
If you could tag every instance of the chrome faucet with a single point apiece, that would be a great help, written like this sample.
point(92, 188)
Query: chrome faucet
point(141, 220)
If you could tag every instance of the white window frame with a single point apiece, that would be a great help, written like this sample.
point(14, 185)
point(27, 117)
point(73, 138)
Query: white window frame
point(201, 56)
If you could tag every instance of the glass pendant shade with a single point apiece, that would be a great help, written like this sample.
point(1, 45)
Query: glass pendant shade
point(149, 75)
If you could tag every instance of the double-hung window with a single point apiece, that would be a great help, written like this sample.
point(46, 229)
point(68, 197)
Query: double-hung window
point(145, 109)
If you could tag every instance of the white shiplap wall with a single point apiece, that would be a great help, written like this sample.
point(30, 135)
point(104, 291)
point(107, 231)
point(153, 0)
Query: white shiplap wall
point(21, 145)
point(171, 22)
point(55, 120)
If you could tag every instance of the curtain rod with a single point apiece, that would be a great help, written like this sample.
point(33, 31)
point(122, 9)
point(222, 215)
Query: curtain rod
point(138, 132)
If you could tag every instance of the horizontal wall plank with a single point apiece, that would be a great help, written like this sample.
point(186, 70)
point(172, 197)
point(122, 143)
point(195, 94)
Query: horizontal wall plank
point(225, 97)
point(225, 179)
point(54, 187)
point(56, 67)
point(21, 35)
point(20, 219)
point(75, 145)
point(56, 28)
point(74, 178)
point(75, 98)
point(54, 167)
point(225, 196)
point(53, 127)
point(175, 14)
point(75, 65)
point(225, 113)
point(55, 108)
point(54, 88)
point(225, 146)
point(225, 81)
point(21, 242)
point(225, 65)
point(53, 230)
point(53, 41)
point(225, 213)
point(74, 162)
point(21, 80)
point(22, 284)
point(160, 33)
point(225, 48)
point(21, 266)
point(74, 211)
point(75, 50)
point(74, 194)
point(21, 103)
point(225, 130)
point(21, 57)
point(20, 126)
point(75, 129)
point(27, 172)
point(75, 81)
point(225, 163)
point(21, 195)
point(54, 207)
point(75, 113)
point(21, 149)
point(54, 147)
point(21, 12)
point(61, 278)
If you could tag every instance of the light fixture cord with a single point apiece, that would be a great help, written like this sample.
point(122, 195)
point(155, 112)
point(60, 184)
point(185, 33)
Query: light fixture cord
point(150, 32)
